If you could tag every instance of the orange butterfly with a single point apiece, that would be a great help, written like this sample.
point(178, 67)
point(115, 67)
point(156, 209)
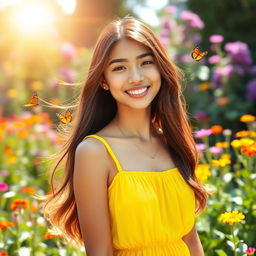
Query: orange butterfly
point(33, 101)
point(197, 55)
point(67, 118)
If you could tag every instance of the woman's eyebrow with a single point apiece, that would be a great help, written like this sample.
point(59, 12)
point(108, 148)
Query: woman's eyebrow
point(125, 60)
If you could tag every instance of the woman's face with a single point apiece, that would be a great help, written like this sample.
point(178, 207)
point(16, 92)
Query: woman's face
point(132, 66)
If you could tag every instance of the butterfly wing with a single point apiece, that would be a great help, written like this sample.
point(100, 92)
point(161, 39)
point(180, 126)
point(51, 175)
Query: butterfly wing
point(201, 55)
point(67, 118)
point(33, 101)
point(195, 53)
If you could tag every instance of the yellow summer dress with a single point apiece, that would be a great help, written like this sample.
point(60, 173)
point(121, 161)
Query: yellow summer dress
point(149, 211)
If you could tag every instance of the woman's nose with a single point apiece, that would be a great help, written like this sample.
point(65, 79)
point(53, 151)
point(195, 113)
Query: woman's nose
point(135, 76)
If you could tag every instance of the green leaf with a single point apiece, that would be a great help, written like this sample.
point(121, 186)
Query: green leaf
point(221, 252)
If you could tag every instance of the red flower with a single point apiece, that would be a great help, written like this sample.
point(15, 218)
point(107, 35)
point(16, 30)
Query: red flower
point(3, 254)
point(19, 203)
point(6, 224)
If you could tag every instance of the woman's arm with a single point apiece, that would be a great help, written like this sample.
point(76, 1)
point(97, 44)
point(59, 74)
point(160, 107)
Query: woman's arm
point(91, 197)
point(193, 242)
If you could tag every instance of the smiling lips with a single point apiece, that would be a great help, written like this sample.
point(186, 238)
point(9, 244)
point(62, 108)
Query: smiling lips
point(138, 92)
point(137, 89)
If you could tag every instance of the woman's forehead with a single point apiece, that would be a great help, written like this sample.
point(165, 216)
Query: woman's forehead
point(126, 47)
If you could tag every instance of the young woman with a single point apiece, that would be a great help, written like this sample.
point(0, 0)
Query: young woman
point(129, 186)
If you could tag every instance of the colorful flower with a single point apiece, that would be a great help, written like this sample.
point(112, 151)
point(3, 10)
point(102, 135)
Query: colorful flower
point(202, 171)
point(242, 134)
point(250, 90)
point(193, 20)
point(235, 143)
point(203, 133)
point(216, 129)
point(214, 59)
point(6, 224)
point(2, 253)
point(250, 251)
point(227, 132)
point(232, 217)
point(247, 118)
point(3, 187)
point(28, 190)
point(239, 52)
point(221, 144)
point(249, 150)
point(19, 203)
point(222, 162)
point(204, 86)
point(216, 39)
point(246, 142)
point(215, 150)
point(200, 146)
point(50, 234)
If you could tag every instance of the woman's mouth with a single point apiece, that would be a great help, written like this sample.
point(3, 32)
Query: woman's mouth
point(138, 93)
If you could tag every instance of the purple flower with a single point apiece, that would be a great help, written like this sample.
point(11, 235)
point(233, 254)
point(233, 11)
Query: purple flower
point(216, 39)
point(214, 59)
point(192, 19)
point(68, 51)
point(253, 70)
point(170, 9)
point(200, 146)
point(4, 173)
point(239, 52)
point(196, 39)
point(215, 150)
point(68, 74)
point(167, 24)
point(185, 58)
point(250, 93)
point(200, 114)
point(3, 187)
point(203, 133)
point(226, 71)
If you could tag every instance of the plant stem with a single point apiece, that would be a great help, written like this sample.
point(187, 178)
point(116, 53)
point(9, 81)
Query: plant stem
point(233, 240)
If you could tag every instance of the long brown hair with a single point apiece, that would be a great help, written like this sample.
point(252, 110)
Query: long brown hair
point(96, 108)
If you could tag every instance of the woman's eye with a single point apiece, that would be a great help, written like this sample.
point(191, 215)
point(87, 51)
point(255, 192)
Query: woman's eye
point(147, 62)
point(118, 68)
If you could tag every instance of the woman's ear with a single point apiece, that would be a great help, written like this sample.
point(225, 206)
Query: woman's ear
point(104, 84)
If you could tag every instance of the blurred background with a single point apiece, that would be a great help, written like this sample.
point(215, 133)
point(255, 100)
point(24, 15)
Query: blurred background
point(46, 46)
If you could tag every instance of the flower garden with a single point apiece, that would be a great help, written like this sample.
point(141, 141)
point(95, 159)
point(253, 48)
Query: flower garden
point(223, 124)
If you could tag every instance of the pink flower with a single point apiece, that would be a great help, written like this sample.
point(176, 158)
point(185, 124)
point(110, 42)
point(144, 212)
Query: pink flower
point(4, 173)
point(215, 39)
point(68, 51)
point(216, 150)
point(214, 59)
point(250, 251)
point(203, 133)
point(170, 9)
point(3, 187)
point(200, 146)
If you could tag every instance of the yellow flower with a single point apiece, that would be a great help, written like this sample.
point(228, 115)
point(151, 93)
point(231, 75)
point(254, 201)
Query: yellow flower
point(204, 86)
point(247, 118)
point(202, 171)
point(246, 142)
point(231, 217)
point(235, 143)
point(225, 156)
point(221, 144)
point(12, 93)
point(36, 85)
point(252, 134)
point(221, 162)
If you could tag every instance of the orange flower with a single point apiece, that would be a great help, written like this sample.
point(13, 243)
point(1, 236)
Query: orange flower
point(19, 203)
point(50, 234)
point(3, 254)
point(247, 118)
point(249, 150)
point(216, 129)
point(242, 134)
point(221, 144)
point(28, 190)
point(223, 101)
point(6, 224)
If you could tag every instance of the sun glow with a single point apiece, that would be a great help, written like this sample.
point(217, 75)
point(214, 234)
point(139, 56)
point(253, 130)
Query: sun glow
point(32, 18)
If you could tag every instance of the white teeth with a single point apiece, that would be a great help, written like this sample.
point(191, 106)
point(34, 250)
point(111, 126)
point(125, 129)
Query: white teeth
point(137, 91)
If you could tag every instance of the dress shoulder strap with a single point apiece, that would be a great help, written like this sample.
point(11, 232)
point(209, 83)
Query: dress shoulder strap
point(119, 168)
